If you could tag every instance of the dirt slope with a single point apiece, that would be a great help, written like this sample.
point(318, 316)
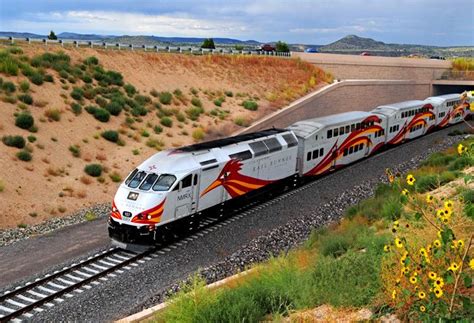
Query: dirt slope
point(54, 183)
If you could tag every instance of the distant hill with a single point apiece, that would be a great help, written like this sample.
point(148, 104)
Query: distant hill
point(158, 40)
point(67, 35)
point(20, 35)
point(353, 42)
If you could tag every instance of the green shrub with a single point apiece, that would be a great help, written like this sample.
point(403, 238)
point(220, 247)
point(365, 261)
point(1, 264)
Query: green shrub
point(25, 98)
point(48, 78)
point(24, 155)
point(447, 176)
point(198, 134)
point(91, 60)
point(75, 150)
point(24, 121)
point(139, 110)
point(115, 177)
point(114, 108)
point(194, 91)
point(167, 122)
point(154, 93)
point(145, 133)
point(142, 99)
point(438, 159)
point(63, 74)
point(250, 105)
point(53, 114)
point(94, 170)
point(157, 129)
point(77, 93)
point(8, 64)
point(101, 102)
point(196, 102)
point(241, 121)
point(166, 97)
point(37, 78)
point(229, 94)
point(114, 78)
point(392, 208)
point(86, 78)
point(218, 102)
point(468, 196)
point(110, 135)
point(24, 86)
point(194, 113)
point(31, 138)
point(130, 90)
point(14, 141)
point(102, 115)
point(89, 92)
point(460, 163)
point(76, 108)
point(180, 117)
point(91, 109)
point(9, 99)
point(8, 87)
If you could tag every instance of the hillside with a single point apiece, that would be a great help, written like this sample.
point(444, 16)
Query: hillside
point(64, 104)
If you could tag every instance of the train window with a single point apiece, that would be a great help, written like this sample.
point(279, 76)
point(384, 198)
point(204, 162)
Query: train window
point(137, 179)
point(321, 151)
point(315, 154)
point(341, 131)
point(207, 162)
point(195, 180)
point(336, 132)
point(187, 181)
point(272, 144)
point(164, 183)
point(345, 151)
point(348, 129)
point(290, 140)
point(308, 156)
point(351, 149)
point(358, 126)
point(243, 155)
point(129, 178)
point(353, 127)
point(361, 146)
point(258, 148)
point(316, 137)
point(148, 182)
point(329, 135)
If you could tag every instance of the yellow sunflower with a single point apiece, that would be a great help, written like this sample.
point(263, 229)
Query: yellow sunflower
point(460, 149)
point(411, 179)
point(405, 192)
point(386, 248)
point(460, 244)
point(429, 198)
point(437, 243)
point(454, 267)
point(438, 292)
point(422, 308)
point(421, 295)
point(440, 213)
point(432, 275)
point(439, 282)
point(394, 294)
point(398, 243)
point(471, 263)
point(413, 279)
point(448, 212)
point(448, 204)
point(423, 252)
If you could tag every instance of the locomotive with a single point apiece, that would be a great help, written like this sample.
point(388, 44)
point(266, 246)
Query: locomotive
point(174, 188)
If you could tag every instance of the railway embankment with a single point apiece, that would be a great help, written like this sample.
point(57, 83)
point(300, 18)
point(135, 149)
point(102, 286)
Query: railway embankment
point(405, 252)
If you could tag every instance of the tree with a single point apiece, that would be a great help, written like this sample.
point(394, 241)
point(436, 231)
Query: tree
point(239, 47)
point(282, 47)
point(52, 36)
point(208, 43)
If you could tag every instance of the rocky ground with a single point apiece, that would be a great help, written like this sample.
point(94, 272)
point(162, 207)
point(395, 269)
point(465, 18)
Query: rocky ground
point(264, 231)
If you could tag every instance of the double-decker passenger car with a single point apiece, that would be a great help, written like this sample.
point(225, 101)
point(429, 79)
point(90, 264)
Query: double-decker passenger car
point(334, 141)
point(176, 184)
point(406, 120)
point(450, 108)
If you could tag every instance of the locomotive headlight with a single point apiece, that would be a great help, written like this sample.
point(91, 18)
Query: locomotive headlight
point(114, 209)
point(148, 216)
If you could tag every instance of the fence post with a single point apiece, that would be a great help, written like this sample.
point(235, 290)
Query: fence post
point(45, 41)
point(90, 44)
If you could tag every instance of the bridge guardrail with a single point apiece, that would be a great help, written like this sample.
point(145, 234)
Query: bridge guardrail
point(146, 48)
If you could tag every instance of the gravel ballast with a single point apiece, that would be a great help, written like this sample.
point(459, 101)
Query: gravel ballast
point(262, 232)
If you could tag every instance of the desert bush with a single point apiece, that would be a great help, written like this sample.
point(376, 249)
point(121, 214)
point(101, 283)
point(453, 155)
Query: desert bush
point(24, 155)
point(142, 99)
point(115, 177)
point(8, 87)
point(166, 121)
point(229, 94)
point(139, 110)
point(2, 186)
point(91, 60)
point(114, 108)
point(241, 121)
point(94, 170)
point(89, 92)
point(8, 64)
point(63, 74)
point(102, 115)
point(31, 138)
point(166, 97)
point(145, 133)
point(180, 116)
point(110, 135)
point(77, 93)
point(53, 114)
point(250, 105)
point(37, 78)
point(218, 102)
point(76, 108)
point(14, 141)
point(24, 121)
point(101, 101)
point(196, 102)
point(25, 98)
point(198, 134)
point(48, 78)
point(130, 90)
point(9, 99)
point(24, 86)
point(154, 93)
point(426, 183)
point(75, 150)
point(194, 113)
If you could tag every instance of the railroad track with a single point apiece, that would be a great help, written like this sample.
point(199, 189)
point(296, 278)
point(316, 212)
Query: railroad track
point(23, 301)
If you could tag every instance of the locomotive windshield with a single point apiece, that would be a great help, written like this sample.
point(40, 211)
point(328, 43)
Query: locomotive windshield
point(164, 183)
point(137, 179)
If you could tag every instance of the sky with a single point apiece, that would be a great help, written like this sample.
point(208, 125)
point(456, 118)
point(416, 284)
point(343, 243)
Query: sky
point(426, 22)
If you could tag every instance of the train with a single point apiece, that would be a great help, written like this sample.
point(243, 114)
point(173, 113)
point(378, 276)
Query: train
point(175, 188)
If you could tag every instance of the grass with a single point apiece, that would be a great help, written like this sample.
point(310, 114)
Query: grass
point(463, 64)
point(25, 98)
point(242, 121)
point(250, 105)
point(165, 98)
point(90, 216)
point(94, 170)
point(166, 121)
point(115, 177)
point(53, 114)
point(198, 134)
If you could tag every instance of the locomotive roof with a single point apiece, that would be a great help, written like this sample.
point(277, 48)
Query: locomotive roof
point(231, 140)
point(307, 127)
point(445, 97)
point(391, 109)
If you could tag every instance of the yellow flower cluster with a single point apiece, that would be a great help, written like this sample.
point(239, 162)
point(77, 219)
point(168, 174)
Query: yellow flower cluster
point(462, 149)
point(411, 179)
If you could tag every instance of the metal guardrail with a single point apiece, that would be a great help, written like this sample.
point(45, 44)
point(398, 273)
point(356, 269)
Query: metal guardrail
point(146, 48)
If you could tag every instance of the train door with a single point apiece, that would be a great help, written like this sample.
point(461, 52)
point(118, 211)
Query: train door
point(186, 196)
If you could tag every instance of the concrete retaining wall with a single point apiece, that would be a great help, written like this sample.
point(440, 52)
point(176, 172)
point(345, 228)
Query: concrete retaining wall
point(347, 95)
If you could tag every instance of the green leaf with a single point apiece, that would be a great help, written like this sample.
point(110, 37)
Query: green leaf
point(449, 278)
point(467, 280)
point(466, 303)
point(447, 236)
point(417, 216)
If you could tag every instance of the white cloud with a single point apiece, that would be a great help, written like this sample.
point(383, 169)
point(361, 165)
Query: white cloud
point(129, 23)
